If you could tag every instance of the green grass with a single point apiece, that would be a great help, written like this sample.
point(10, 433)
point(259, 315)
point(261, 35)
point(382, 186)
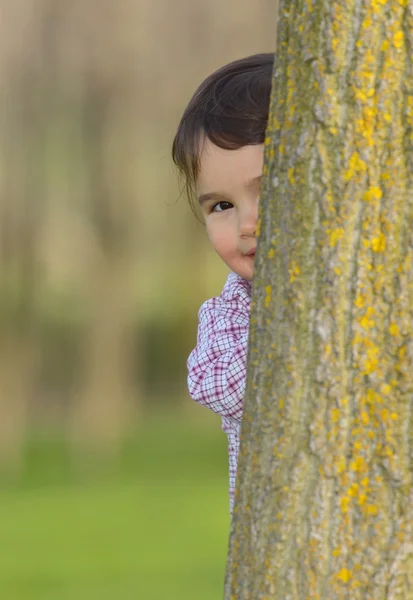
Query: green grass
point(154, 528)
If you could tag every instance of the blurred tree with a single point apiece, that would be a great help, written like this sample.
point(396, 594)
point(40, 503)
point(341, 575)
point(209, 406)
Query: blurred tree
point(104, 402)
point(24, 105)
point(324, 505)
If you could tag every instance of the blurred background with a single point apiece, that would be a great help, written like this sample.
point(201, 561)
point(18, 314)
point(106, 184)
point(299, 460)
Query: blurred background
point(113, 482)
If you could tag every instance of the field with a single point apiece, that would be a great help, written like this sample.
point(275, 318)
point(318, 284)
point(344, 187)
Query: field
point(154, 527)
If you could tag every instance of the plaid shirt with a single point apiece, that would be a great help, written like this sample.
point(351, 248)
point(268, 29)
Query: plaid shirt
point(217, 366)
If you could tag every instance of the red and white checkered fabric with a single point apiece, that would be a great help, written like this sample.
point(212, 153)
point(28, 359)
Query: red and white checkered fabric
point(217, 366)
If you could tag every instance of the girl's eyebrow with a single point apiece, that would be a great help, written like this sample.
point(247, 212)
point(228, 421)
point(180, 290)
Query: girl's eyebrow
point(211, 196)
point(254, 180)
point(220, 196)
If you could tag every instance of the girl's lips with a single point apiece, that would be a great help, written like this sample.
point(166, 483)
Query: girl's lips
point(251, 252)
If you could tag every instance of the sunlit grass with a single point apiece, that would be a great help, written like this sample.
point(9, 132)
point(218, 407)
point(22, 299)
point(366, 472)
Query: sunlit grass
point(155, 528)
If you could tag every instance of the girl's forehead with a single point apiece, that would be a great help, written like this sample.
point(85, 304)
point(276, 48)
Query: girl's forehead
point(220, 168)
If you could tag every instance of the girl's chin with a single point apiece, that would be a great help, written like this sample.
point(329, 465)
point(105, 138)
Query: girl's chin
point(247, 273)
point(243, 266)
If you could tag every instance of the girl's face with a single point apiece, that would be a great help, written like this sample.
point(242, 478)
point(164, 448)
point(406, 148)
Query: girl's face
point(228, 189)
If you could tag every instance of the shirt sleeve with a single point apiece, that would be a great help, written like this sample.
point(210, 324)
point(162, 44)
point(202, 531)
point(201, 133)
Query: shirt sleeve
point(217, 366)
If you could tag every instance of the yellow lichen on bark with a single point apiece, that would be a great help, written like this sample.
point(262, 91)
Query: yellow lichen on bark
point(324, 502)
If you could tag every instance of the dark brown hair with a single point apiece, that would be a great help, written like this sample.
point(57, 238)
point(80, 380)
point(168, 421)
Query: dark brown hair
point(230, 107)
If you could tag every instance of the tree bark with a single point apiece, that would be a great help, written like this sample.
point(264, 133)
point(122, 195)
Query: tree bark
point(324, 500)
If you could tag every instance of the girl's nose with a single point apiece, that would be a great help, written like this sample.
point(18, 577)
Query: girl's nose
point(248, 220)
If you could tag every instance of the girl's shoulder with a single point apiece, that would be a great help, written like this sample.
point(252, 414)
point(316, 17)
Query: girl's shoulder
point(236, 287)
point(232, 305)
point(233, 302)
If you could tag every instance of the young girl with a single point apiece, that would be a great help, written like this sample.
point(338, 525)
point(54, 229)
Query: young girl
point(219, 148)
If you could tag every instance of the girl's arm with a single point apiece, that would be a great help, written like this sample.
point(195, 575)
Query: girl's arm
point(217, 366)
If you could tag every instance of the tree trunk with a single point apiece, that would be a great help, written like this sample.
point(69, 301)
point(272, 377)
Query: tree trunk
point(25, 99)
point(324, 501)
point(103, 407)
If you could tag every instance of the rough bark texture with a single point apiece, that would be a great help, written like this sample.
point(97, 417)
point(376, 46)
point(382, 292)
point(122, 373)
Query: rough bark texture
point(324, 504)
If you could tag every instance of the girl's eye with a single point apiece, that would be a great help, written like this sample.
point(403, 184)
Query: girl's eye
point(221, 206)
